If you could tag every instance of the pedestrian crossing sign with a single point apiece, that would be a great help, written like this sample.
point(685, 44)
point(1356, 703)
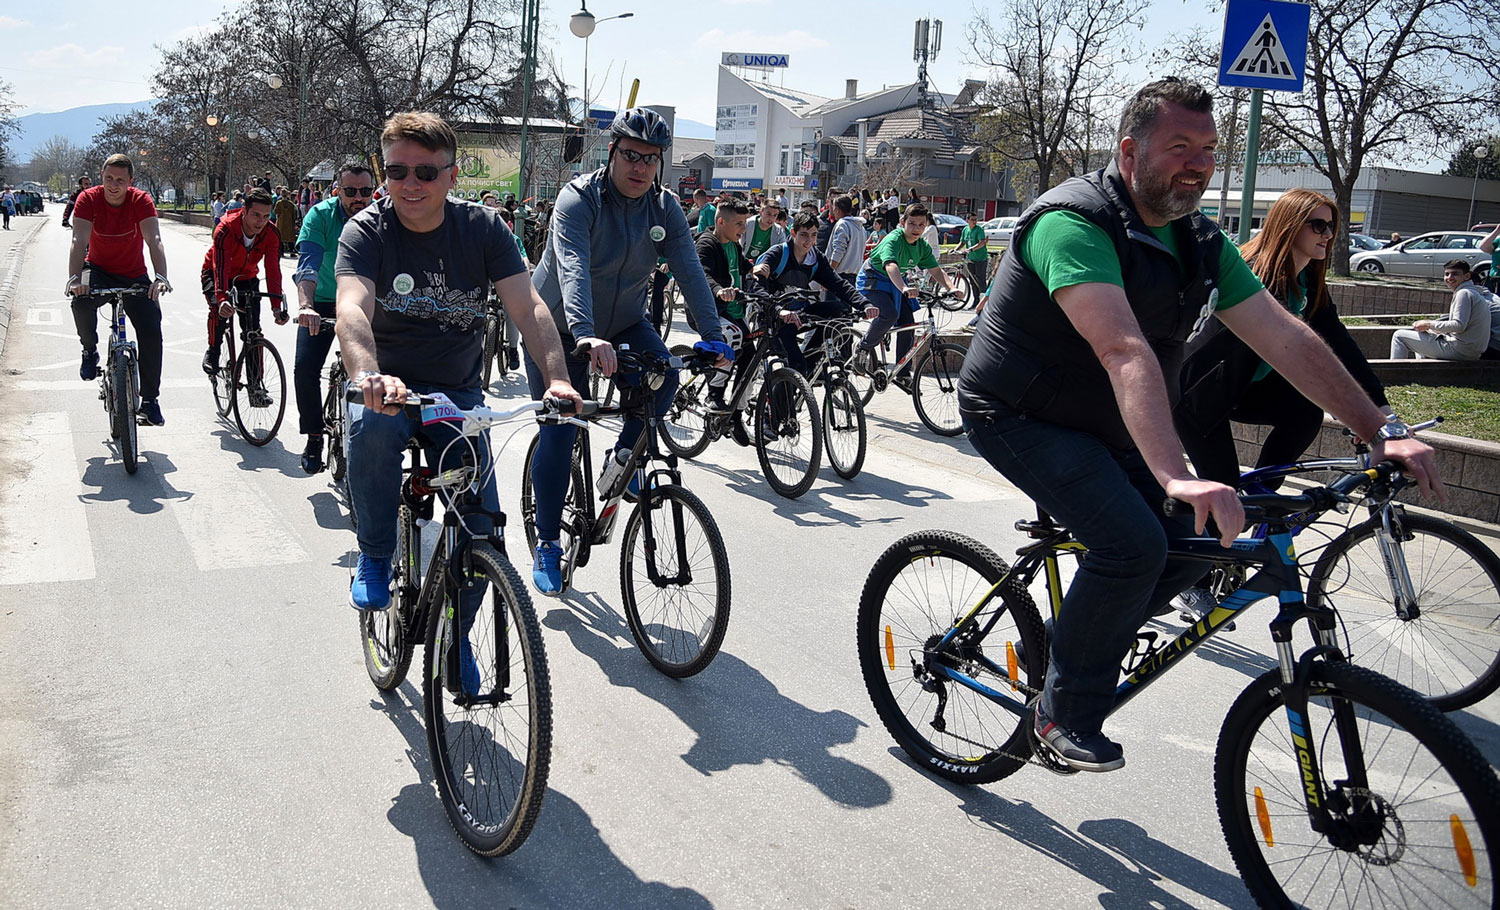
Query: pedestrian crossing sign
point(1265, 44)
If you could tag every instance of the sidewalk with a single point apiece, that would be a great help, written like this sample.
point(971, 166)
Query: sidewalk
point(13, 244)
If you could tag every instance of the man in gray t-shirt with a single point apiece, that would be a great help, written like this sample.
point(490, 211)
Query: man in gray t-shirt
point(414, 270)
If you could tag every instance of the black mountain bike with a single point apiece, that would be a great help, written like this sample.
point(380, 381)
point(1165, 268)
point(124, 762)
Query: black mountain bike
point(252, 382)
point(674, 570)
point(1336, 786)
point(486, 694)
point(499, 341)
point(120, 379)
point(770, 405)
point(336, 423)
point(845, 434)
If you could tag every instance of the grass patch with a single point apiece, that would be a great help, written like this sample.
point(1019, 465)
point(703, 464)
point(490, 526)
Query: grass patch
point(1474, 413)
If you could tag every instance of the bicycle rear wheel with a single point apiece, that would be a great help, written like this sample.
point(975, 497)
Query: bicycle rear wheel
point(335, 430)
point(1449, 648)
point(963, 284)
point(843, 428)
point(389, 636)
point(1412, 800)
point(490, 348)
point(259, 392)
point(487, 703)
point(222, 382)
point(123, 386)
point(910, 599)
point(678, 617)
point(861, 371)
point(934, 389)
point(788, 433)
point(684, 429)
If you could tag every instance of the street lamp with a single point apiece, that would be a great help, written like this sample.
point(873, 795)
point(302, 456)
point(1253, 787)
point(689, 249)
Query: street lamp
point(1480, 153)
point(582, 25)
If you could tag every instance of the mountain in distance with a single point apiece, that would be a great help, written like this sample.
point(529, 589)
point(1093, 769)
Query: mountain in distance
point(78, 125)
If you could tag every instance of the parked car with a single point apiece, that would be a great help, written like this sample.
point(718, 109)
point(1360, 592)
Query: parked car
point(1358, 243)
point(999, 230)
point(949, 227)
point(1423, 256)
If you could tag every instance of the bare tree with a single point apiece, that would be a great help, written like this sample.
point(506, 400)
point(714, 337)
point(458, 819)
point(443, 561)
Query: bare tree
point(1388, 80)
point(57, 155)
point(9, 129)
point(1050, 60)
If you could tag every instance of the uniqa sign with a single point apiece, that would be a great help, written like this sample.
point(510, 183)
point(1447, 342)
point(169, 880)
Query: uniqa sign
point(756, 61)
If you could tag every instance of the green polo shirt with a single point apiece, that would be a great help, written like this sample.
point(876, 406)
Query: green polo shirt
point(976, 237)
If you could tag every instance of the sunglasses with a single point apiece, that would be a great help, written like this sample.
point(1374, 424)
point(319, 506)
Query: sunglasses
point(425, 172)
point(634, 157)
point(365, 191)
point(1320, 225)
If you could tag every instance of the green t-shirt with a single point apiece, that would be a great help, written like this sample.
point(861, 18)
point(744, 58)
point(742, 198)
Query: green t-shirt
point(707, 216)
point(976, 237)
point(760, 240)
point(322, 226)
point(907, 256)
point(735, 308)
point(1064, 248)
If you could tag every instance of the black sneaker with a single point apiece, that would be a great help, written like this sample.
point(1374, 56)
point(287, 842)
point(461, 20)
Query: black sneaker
point(211, 361)
point(1084, 751)
point(90, 368)
point(150, 412)
point(312, 455)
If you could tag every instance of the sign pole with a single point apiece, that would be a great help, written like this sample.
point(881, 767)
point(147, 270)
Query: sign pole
point(1252, 154)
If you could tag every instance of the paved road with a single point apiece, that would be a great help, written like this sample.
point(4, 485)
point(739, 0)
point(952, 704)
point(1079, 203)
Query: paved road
point(185, 719)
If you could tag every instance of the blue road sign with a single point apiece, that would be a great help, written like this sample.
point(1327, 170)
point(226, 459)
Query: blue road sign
point(1265, 44)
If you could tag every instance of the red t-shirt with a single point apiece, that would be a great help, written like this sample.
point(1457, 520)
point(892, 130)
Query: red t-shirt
point(116, 243)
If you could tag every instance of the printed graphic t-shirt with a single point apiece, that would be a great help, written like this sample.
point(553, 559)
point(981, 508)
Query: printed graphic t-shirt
point(116, 243)
point(430, 288)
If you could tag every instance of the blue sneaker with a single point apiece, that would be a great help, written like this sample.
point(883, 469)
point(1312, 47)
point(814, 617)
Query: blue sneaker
point(371, 589)
point(150, 412)
point(546, 574)
point(468, 668)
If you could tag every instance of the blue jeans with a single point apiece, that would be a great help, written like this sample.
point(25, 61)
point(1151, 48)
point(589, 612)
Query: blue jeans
point(377, 444)
point(1110, 501)
point(895, 310)
point(554, 450)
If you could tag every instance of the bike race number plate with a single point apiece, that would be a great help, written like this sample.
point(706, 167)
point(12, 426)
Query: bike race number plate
point(442, 410)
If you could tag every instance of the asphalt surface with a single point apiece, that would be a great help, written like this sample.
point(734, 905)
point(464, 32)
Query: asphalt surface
point(185, 718)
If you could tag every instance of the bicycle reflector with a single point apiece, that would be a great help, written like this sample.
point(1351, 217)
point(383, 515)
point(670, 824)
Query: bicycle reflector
point(890, 649)
point(1464, 850)
point(1263, 815)
point(1011, 665)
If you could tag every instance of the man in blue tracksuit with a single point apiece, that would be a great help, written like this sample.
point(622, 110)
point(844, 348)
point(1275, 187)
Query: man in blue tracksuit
point(608, 229)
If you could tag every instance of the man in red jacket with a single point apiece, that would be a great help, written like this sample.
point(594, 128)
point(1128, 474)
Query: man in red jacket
point(242, 240)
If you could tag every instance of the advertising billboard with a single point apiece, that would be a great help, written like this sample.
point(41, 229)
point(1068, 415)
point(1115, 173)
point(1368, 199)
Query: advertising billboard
point(481, 169)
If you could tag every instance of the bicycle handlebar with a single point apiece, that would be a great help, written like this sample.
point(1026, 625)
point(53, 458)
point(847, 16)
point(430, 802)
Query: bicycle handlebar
point(548, 410)
point(1260, 507)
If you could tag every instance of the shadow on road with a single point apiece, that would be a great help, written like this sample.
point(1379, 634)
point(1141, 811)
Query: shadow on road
point(271, 456)
point(1484, 732)
point(330, 510)
point(144, 493)
point(820, 505)
point(737, 713)
point(1222, 649)
point(564, 863)
point(1120, 856)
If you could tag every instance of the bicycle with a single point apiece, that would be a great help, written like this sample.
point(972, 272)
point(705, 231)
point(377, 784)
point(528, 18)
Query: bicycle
point(1419, 597)
point(845, 434)
point(253, 383)
point(335, 423)
point(934, 363)
point(499, 341)
point(489, 732)
point(770, 405)
point(674, 570)
point(120, 380)
point(1364, 775)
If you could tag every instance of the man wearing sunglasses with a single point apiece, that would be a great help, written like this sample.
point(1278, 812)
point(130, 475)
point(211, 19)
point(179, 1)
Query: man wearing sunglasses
point(317, 289)
point(414, 271)
point(608, 230)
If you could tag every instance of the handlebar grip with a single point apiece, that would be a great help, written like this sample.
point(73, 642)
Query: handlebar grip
point(1174, 507)
point(567, 407)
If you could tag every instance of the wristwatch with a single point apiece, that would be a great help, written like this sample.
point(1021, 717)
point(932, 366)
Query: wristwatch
point(1394, 429)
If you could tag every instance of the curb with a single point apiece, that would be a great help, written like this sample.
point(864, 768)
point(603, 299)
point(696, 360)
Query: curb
point(10, 277)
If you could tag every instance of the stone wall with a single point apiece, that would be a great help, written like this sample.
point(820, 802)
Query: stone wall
point(1378, 297)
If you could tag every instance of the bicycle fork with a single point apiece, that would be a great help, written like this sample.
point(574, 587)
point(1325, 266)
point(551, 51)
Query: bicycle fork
point(1388, 538)
point(455, 578)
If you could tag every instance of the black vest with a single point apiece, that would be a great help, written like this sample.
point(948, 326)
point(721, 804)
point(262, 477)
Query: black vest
point(1027, 356)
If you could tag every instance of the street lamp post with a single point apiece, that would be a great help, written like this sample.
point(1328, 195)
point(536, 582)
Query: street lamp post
point(1480, 153)
point(582, 25)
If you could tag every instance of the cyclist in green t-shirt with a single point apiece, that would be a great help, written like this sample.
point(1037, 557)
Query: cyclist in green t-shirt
point(975, 244)
point(883, 280)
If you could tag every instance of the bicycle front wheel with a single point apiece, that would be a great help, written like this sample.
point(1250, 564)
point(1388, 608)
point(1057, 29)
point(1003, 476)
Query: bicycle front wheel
point(335, 430)
point(490, 347)
point(934, 389)
point(1448, 646)
point(788, 433)
point(844, 429)
point(389, 636)
point(221, 379)
point(1411, 801)
point(910, 600)
point(487, 703)
point(259, 392)
point(675, 585)
point(123, 385)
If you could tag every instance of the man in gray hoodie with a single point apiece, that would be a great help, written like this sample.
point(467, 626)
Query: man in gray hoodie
point(608, 230)
point(1464, 335)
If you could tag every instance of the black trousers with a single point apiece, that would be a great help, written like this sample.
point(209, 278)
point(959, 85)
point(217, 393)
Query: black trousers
point(312, 352)
point(1273, 402)
point(144, 315)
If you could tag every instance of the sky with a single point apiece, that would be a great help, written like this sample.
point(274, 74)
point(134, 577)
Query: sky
point(78, 52)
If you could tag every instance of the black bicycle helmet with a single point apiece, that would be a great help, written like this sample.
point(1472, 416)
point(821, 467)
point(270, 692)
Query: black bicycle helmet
point(643, 125)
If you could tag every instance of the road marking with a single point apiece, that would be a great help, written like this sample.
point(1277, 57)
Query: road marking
point(48, 542)
point(79, 385)
point(227, 521)
point(44, 315)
